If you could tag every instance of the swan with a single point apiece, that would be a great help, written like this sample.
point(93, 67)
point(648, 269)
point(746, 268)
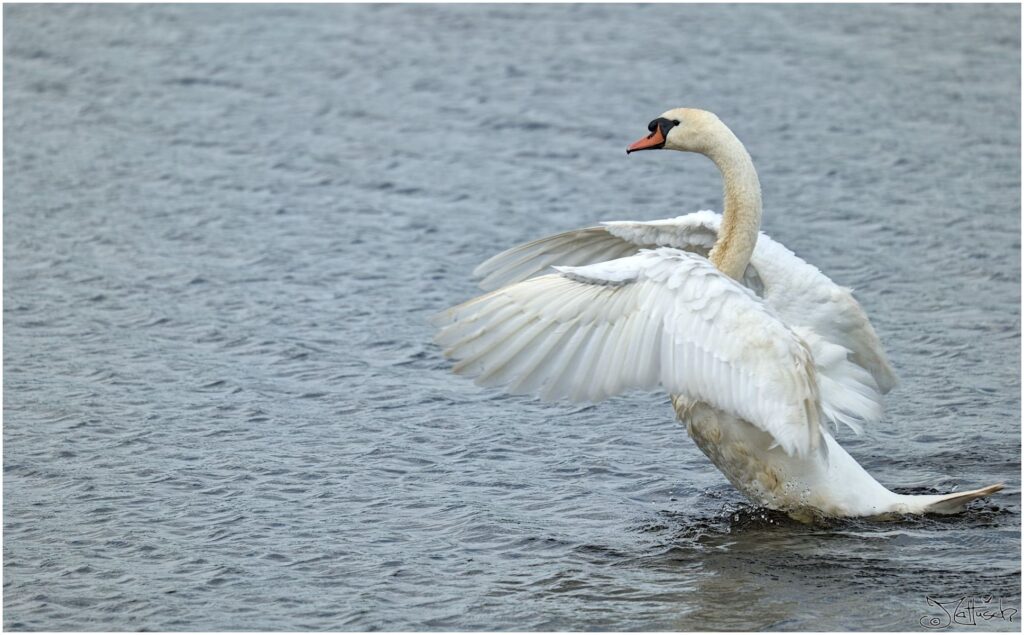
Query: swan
point(757, 348)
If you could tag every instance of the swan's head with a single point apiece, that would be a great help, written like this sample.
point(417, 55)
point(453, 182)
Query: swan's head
point(685, 129)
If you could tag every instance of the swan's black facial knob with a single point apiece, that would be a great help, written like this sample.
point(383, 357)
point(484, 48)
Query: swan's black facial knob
point(659, 132)
point(662, 124)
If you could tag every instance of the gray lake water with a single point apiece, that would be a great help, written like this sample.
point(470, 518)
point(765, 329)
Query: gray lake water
point(225, 228)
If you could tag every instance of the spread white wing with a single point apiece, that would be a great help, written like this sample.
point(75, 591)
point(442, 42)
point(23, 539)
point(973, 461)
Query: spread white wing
point(662, 318)
point(802, 296)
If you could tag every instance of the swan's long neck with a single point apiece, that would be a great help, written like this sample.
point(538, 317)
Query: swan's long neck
point(741, 218)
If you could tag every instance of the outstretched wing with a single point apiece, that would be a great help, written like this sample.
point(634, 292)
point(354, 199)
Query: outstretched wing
point(663, 318)
point(801, 295)
point(609, 241)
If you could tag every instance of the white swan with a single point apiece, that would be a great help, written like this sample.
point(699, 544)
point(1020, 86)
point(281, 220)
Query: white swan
point(757, 347)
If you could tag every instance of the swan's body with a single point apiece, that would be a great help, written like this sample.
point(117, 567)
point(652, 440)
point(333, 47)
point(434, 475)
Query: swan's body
point(757, 347)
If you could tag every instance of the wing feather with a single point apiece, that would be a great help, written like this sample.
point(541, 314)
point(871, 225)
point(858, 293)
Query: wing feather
point(661, 318)
point(528, 374)
point(802, 297)
point(559, 382)
point(524, 261)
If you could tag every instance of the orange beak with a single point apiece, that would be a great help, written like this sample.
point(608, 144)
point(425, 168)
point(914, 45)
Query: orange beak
point(652, 141)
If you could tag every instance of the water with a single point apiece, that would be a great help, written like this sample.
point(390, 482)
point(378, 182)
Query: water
point(226, 226)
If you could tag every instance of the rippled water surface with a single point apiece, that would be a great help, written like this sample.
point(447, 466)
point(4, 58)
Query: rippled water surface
point(225, 228)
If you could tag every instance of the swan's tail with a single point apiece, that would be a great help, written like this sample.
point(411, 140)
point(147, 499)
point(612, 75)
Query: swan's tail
point(950, 503)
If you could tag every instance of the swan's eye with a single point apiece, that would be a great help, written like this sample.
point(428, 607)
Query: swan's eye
point(675, 122)
point(651, 126)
